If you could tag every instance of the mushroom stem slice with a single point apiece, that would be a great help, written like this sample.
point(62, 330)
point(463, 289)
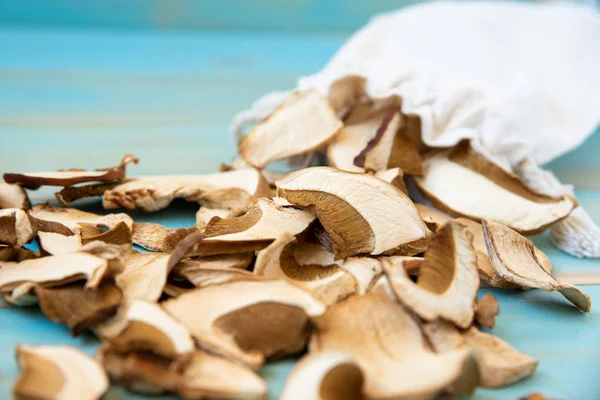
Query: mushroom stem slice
point(34, 180)
point(13, 196)
point(514, 260)
point(15, 227)
point(58, 372)
point(303, 123)
point(361, 213)
point(486, 311)
point(247, 320)
point(464, 183)
point(448, 280)
point(325, 375)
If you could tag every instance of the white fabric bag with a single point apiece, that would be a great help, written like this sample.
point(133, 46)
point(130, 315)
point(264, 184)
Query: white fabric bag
point(521, 80)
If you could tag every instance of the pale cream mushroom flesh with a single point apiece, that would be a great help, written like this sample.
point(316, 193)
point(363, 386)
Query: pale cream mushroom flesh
point(514, 260)
point(361, 213)
point(433, 218)
point(13, 196)
point(304, 122)
point(15, 227)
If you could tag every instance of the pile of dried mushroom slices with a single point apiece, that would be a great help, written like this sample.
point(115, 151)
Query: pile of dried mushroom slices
point(317, 263)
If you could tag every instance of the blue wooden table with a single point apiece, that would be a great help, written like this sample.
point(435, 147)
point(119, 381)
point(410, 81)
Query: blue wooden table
point(83, 98)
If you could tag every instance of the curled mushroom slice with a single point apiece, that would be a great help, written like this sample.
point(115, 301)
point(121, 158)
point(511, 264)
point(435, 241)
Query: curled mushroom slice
point(304, 122)
point(318, 274)
point(58, 372)
point(150, 236)
point(71, 193)
point(232, 189)
point(77, 307)
point(327, 375)
point(387, 345)
point(13, 196)
point(15, 227)
point(464, 183)
point(514, 260)
point(486, 311)
point(33, 180)
point(361, 213)
point(212, 270)
point(433, 218)
point(247, 320)
point(448, 280)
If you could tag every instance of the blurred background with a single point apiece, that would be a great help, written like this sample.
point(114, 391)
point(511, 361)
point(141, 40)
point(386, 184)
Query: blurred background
point(84, 82)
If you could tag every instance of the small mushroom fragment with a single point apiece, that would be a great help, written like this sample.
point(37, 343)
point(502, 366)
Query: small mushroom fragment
point(71, 193)
point(319, 274)
point(77, 307)
point(303, 123)
point(150, 328)
point(433, 218)
point(58, 372)
point(247, 320)
point(514, 260)
point(205, 214)
point(361, 213)
point(386, 343)
point(364, 270)
point(486, 311)
point(448, 280)
point(232, 189)
point(15, 227)
point(34, 180)
point(346, 92)
point(150, 236)
point(325, 375)
point(464, 183)
point(13, 196)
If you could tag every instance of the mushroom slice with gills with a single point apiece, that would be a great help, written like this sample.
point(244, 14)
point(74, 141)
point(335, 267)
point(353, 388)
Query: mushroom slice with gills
point(205, 214)
point(364, 270)
point(258, 227)
point(486, 311)
point(514, 260)
point(57, 243)
point(150, 328)
point(77, 307)
point(34, 180)
point(386, 343)
point(58, 372)
point(448, 280)
point(302, 123)
point(326, 375)
point(463, 183)
point(433, 218)
point(13, 196)
point(232, 189)
point(248, 320)
point(15, 227)
point(361, 213)
point(71, 193)
point(318, 274)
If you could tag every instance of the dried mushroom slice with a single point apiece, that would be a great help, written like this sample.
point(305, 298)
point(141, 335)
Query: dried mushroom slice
point(247, 320)
point(71, 193)
point(205, 214)
point(203, 277)
point(395, 176)
point(319, 274)
point(433, 218)
point(346, 92)
point(233, 189)
point(150, 236)
point(13, 196)
point(58, 372)
point(303, 123)
point(57, 243)
point(150, 328)
point(387, 345)
point(364, 270)
point(33, 180)
point(327, 375)
point(23, 295)
point(70, 221)
point(514, 260)
point(448, 280)
point(15, 227)
point(361, 213)
point(463, 183)
point(17, 254)
point(487, 310)
point(77, 307)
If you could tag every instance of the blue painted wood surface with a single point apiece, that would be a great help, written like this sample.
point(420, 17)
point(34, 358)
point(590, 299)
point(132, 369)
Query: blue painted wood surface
point(84, 98)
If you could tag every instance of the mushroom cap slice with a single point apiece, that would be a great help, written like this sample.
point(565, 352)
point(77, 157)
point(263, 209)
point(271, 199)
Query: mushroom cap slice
point(213, 276)
point(150, 236)
point(464, 184)
point(388, 346)
point(152, 193)
point(150, 328)
point(58, 372)
point(326, 375)
point(205, 214)
point(304, 122)
point(13, 196)
point(361, 213)
point(486, 311)
point(247, 320)
point(33, 180)
point(319, 275)
point(15, 227)
point(448, 280)
point(71, 193)
point(69, 221)
point(514, 260)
